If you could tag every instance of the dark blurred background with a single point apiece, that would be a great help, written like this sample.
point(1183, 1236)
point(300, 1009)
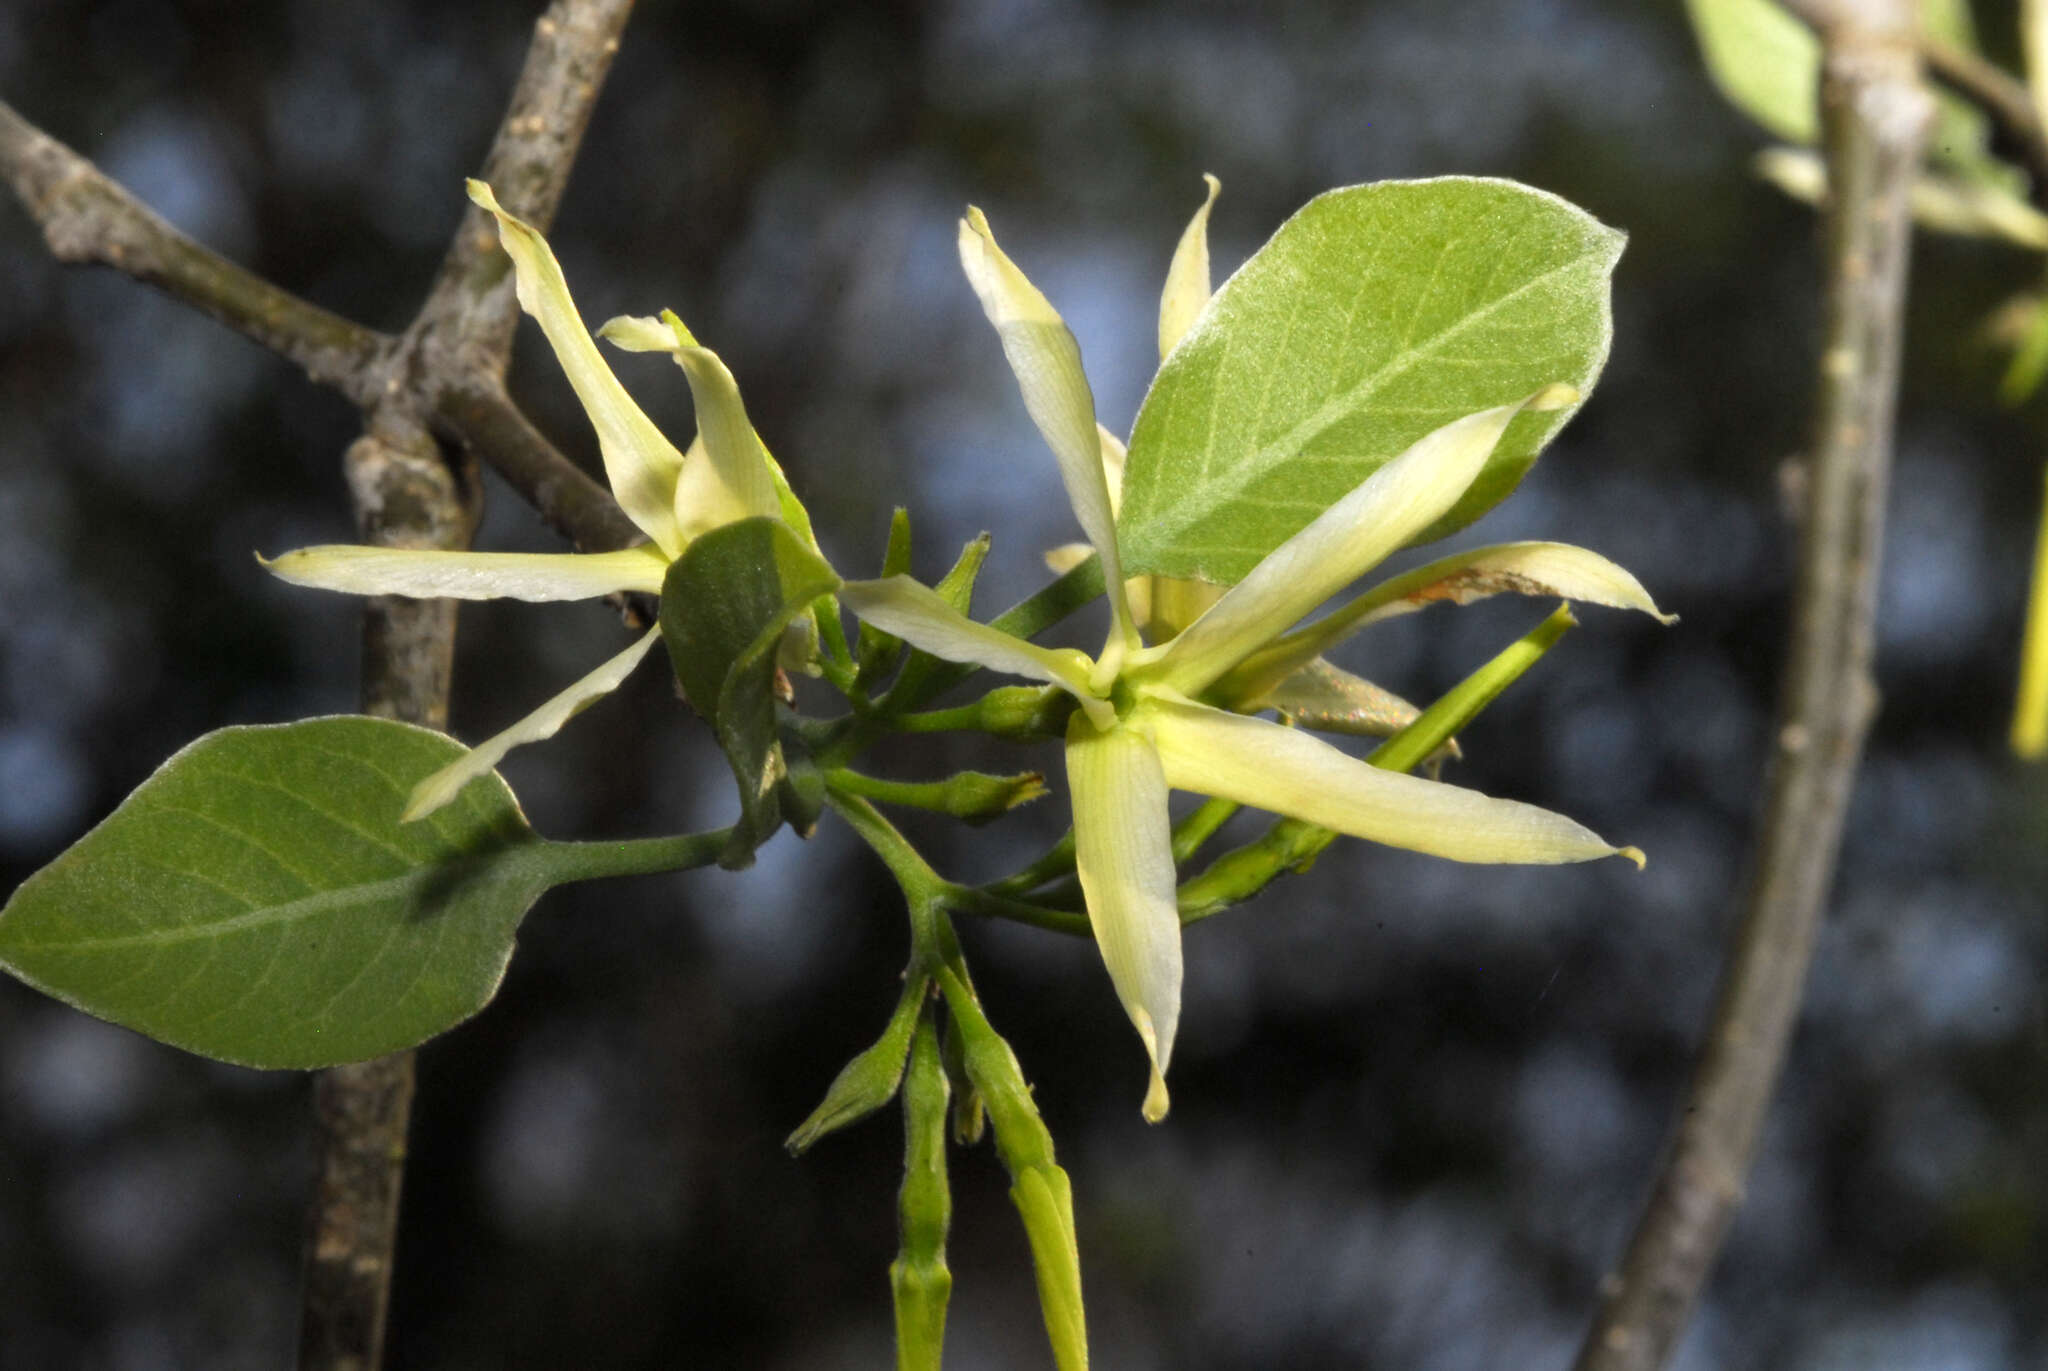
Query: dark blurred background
point(1416, 1105)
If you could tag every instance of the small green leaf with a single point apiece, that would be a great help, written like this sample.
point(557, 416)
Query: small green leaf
point(724, 605)
point(1767, 63)
point(1375, 315)
point(257, 900)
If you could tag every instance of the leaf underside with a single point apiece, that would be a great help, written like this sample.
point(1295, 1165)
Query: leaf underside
point(1374, 316)
point(258, 901)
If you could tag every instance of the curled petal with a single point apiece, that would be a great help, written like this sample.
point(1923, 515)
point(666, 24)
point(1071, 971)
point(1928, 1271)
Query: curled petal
point(1267, 766)
point(441, 787)
point(638, 461)
point(1123, 849)
point(725, 475)
point(427, 575)
point(1047, 362)
point(1379, 516)
point(1187, 280)
point(1534, 568)
point(920, 616)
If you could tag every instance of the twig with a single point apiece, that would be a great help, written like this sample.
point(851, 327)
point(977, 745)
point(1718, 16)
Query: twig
point(448, 369)
point(87, 218)
point(408, 493)
point(1875, 115)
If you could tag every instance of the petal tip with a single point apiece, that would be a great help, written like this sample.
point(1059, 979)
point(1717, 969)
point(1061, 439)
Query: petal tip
point(480, 195)
point(1156, 1101)
point(1634, 854)
point(1556, 395)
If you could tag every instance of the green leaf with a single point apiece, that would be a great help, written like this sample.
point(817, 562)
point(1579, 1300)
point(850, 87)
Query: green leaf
point(724, 606)
point(257, 900)
point(1374, 316)
point(1767, 64)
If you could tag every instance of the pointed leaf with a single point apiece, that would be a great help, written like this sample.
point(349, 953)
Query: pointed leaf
point(1376, 315)
point(426, 575)
point(257, 899)
point(723, 609)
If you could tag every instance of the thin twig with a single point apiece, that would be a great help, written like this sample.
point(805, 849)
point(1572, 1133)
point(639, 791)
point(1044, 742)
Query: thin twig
point(2000, 96)
point(449, 366)
point(1875, 115)
point(87, 218)
point(409, 492)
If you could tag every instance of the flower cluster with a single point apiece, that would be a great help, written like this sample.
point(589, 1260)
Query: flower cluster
point(1165, 716)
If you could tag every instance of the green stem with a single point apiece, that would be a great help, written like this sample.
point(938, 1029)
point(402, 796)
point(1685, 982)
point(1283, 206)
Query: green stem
point(1459, 705)
point(1199, 827)
point(632, 856)
point(924, 1209)
point(990, 905)
point(960, 718)
point(2030, 711)
point(1057, 861)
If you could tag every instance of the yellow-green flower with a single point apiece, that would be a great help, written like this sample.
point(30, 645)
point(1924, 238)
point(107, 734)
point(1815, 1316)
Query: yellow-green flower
point(1148, 720)
point(672, 496)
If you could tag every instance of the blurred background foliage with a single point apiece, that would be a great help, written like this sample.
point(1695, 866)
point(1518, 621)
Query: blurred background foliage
point(1416, 1104)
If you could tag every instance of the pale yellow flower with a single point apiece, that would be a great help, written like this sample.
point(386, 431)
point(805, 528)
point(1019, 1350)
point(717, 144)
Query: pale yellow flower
point(1146, 723)
point(673, 497)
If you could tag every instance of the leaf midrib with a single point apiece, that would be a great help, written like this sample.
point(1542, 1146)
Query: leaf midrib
point(1163, 528)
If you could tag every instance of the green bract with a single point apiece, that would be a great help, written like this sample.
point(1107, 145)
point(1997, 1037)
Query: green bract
point(1149, 717)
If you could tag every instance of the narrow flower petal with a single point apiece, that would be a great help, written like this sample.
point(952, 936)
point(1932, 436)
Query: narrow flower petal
point(1271, 767)
point(1123, 849)
point(1187, 280)
point(920, 616)
point(441, 787)
point(1047, 362)
point(427, 575)
point(1549, 569)
point(1114, 455)
point(736, 454)
point(725, 475)
point(638, 461)
point(1378, 517)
